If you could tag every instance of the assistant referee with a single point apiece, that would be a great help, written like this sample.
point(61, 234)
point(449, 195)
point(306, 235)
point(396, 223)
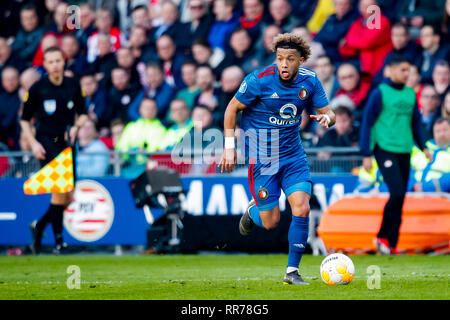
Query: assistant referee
point(391, 126)
point(56, 103)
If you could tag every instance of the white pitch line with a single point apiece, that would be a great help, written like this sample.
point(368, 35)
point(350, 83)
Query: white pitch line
point(5, 216)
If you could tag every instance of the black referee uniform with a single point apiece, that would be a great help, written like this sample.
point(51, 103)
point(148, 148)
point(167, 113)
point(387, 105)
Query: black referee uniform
point(54, 107)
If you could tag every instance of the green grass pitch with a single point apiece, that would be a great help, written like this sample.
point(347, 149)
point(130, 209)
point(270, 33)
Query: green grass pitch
point(215, 277)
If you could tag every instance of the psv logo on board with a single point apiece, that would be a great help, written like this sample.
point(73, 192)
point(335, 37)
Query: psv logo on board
point(90, 215)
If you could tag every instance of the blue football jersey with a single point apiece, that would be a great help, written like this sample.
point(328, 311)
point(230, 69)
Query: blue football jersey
point(274, 110)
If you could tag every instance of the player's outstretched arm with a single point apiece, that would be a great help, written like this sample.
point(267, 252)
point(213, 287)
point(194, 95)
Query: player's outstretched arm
point(325, 116)
point(229, 156)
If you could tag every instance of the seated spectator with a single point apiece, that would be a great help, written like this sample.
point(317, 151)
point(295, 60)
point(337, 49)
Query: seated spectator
point(343, 134)
point(170, 26)
point(104, 24)
point(60, 25)
point(126, 60)
point(432, 51)
point(91, 165)
point(436, 175)
point(48, 12)
point(303, 10)
point(117, 126)
point(240, 53)
point(116, 129)
point(446, 23)
point(208, 96)
point(140, 17)
point(280, 15)
point(182, 124)
point(441, 78)
point(155, 88)
point(316, 47)
point(10, 18)
point(75, 61)
point(325, 71)
point(352, 84)
point(188, 94)
point(446, 106)
point(230, 81)
point(200, 24)
point(48, 40)
point(252, 19)
point(415, 83)
point(105, 61)
point(264, 55)
point(335, 28)
point(123, 96)
point(143, 134)
point(27, 40)
point(429, 99)
point(203, 53)
point(367, 44)
point(225, 21)
point(203, 121)
point(27, 79)
point(96, 101)
point(139, 46)
point(403, 45)
point(419, 13)
point(9, 108)
point(322, 11)
point(8, 60)
point(171, 61)
point(86, 27)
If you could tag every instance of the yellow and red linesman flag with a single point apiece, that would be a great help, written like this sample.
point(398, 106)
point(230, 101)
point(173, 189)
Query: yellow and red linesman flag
point(55, 177)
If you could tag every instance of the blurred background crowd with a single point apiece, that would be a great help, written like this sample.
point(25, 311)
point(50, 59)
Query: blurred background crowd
point(153, 70)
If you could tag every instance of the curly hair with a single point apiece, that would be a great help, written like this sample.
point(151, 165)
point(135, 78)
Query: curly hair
point(290, 40)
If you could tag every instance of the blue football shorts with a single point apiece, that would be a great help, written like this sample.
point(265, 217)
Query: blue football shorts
point(266, 183)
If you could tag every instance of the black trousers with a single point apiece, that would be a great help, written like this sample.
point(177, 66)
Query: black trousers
point(394, 168)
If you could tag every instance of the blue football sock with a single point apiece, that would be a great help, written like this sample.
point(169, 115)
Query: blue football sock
point(297, 237)
point(254, 214)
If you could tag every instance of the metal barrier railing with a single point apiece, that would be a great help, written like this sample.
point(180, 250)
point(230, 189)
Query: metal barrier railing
point(323, 161)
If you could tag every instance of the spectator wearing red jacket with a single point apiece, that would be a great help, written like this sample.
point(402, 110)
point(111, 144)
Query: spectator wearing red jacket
point(104, 24)
point(352, 84)
point(367, 40)
point(252, 19)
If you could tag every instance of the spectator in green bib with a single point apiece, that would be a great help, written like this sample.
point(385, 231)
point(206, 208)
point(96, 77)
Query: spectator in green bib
point(391, 126)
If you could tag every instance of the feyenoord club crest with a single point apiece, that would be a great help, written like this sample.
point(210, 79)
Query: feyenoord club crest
point(303, 94)
point(263, 194)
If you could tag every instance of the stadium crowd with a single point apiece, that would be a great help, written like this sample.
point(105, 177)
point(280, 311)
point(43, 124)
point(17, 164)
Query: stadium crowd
point(153, 70)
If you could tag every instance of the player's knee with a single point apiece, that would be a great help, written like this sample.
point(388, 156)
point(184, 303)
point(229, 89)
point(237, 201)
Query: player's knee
point(270, 225)
point(301, 209)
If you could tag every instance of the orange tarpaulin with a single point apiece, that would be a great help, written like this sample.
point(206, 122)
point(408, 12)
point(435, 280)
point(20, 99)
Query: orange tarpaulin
point(352, 222)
